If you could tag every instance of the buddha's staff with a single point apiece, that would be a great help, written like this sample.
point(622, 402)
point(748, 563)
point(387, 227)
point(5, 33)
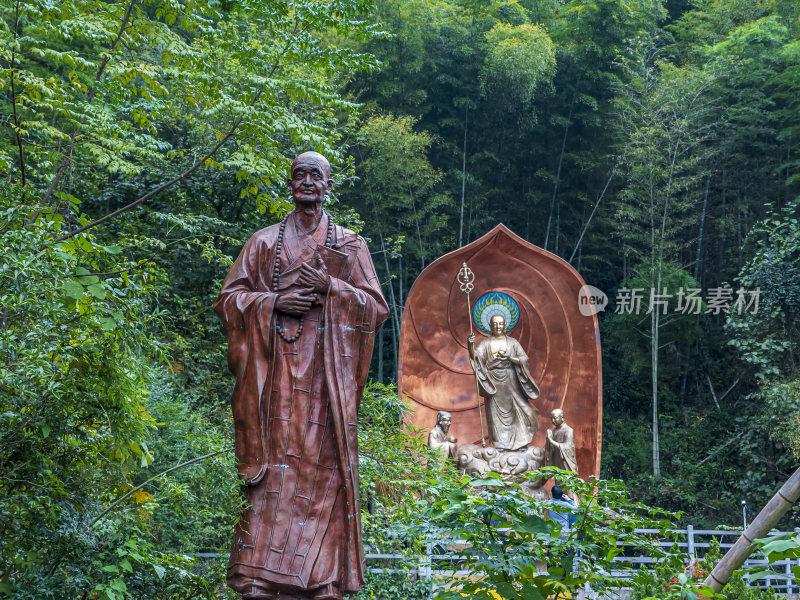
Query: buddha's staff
point(465, 279)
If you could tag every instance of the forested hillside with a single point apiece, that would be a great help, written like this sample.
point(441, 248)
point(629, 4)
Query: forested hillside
point(652, 144)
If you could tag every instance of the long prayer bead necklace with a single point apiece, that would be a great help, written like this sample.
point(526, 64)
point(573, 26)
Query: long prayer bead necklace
point(276, 268)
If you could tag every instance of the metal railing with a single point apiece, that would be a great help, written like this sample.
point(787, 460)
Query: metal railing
point(690, 541)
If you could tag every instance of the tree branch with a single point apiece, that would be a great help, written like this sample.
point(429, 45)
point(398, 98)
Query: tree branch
point(589, 220)
point(164, 185)
point(714, 394)
point(186, 173)
point(90, 93)
point(720, 448)
point(139, 264)
point(138, 487)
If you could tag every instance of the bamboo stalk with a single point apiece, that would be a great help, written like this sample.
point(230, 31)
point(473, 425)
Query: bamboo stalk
point(759, 528)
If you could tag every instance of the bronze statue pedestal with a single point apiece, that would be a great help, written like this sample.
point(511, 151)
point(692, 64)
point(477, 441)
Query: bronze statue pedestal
point(511, 465)
point(283, 596)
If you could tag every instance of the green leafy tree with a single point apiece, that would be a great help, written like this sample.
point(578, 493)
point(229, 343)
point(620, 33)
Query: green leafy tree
point(401, 198)
point(78, 355)
point(765, 336)
point(113, 105)
point(665, 116)
point(98, 91)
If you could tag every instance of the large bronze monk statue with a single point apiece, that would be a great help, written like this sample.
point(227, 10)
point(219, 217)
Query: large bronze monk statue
point(300, 307)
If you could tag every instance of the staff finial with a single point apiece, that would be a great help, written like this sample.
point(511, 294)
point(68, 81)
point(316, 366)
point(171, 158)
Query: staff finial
point(466, 279)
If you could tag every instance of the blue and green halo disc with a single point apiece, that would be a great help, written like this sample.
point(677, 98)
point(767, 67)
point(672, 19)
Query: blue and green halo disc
point(495, 303)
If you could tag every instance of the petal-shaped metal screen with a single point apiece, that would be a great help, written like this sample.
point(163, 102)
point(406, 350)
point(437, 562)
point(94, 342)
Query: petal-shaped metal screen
point(563, 345)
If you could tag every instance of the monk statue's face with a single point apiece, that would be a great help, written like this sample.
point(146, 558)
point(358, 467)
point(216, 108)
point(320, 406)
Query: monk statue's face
point(444, 422)
point(310, 179)
point(498, 325)
point(557, 417)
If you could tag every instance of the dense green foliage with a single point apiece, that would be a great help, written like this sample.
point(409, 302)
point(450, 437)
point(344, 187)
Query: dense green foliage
point(650, 143)
point(507, 534)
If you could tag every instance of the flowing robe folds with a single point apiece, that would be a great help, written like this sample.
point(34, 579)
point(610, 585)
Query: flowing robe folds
point(294, 408)
point(560, 451)
point(440, 441)
point(512, 419)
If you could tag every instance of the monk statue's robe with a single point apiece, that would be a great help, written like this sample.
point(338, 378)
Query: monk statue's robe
point(507, 387)
point(560, 448)
point(294, 407)
point(439, 440)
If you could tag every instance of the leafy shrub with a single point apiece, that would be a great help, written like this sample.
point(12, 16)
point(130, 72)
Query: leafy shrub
point(679, 576)
point(394, 586)
point(510, 549)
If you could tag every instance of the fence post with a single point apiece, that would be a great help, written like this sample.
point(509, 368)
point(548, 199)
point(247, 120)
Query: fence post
point(428, 572)
point(690, 541)
point(789, 574)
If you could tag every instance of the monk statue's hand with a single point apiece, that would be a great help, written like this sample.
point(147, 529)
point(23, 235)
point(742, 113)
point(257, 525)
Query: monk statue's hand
point(315, 278)
point(295, 303)
point(550, 434)
point(471, 339)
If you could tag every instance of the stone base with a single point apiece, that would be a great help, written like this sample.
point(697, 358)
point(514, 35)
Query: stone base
point(279, 596)
point(475, 460)
point(325, 593)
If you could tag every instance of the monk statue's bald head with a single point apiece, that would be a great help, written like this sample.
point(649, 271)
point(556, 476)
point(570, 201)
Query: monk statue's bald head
point(315, 158)
point(557, 417)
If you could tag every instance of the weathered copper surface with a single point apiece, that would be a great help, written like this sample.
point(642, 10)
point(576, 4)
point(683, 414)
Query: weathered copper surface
point(562, 344)
point(300, 307)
